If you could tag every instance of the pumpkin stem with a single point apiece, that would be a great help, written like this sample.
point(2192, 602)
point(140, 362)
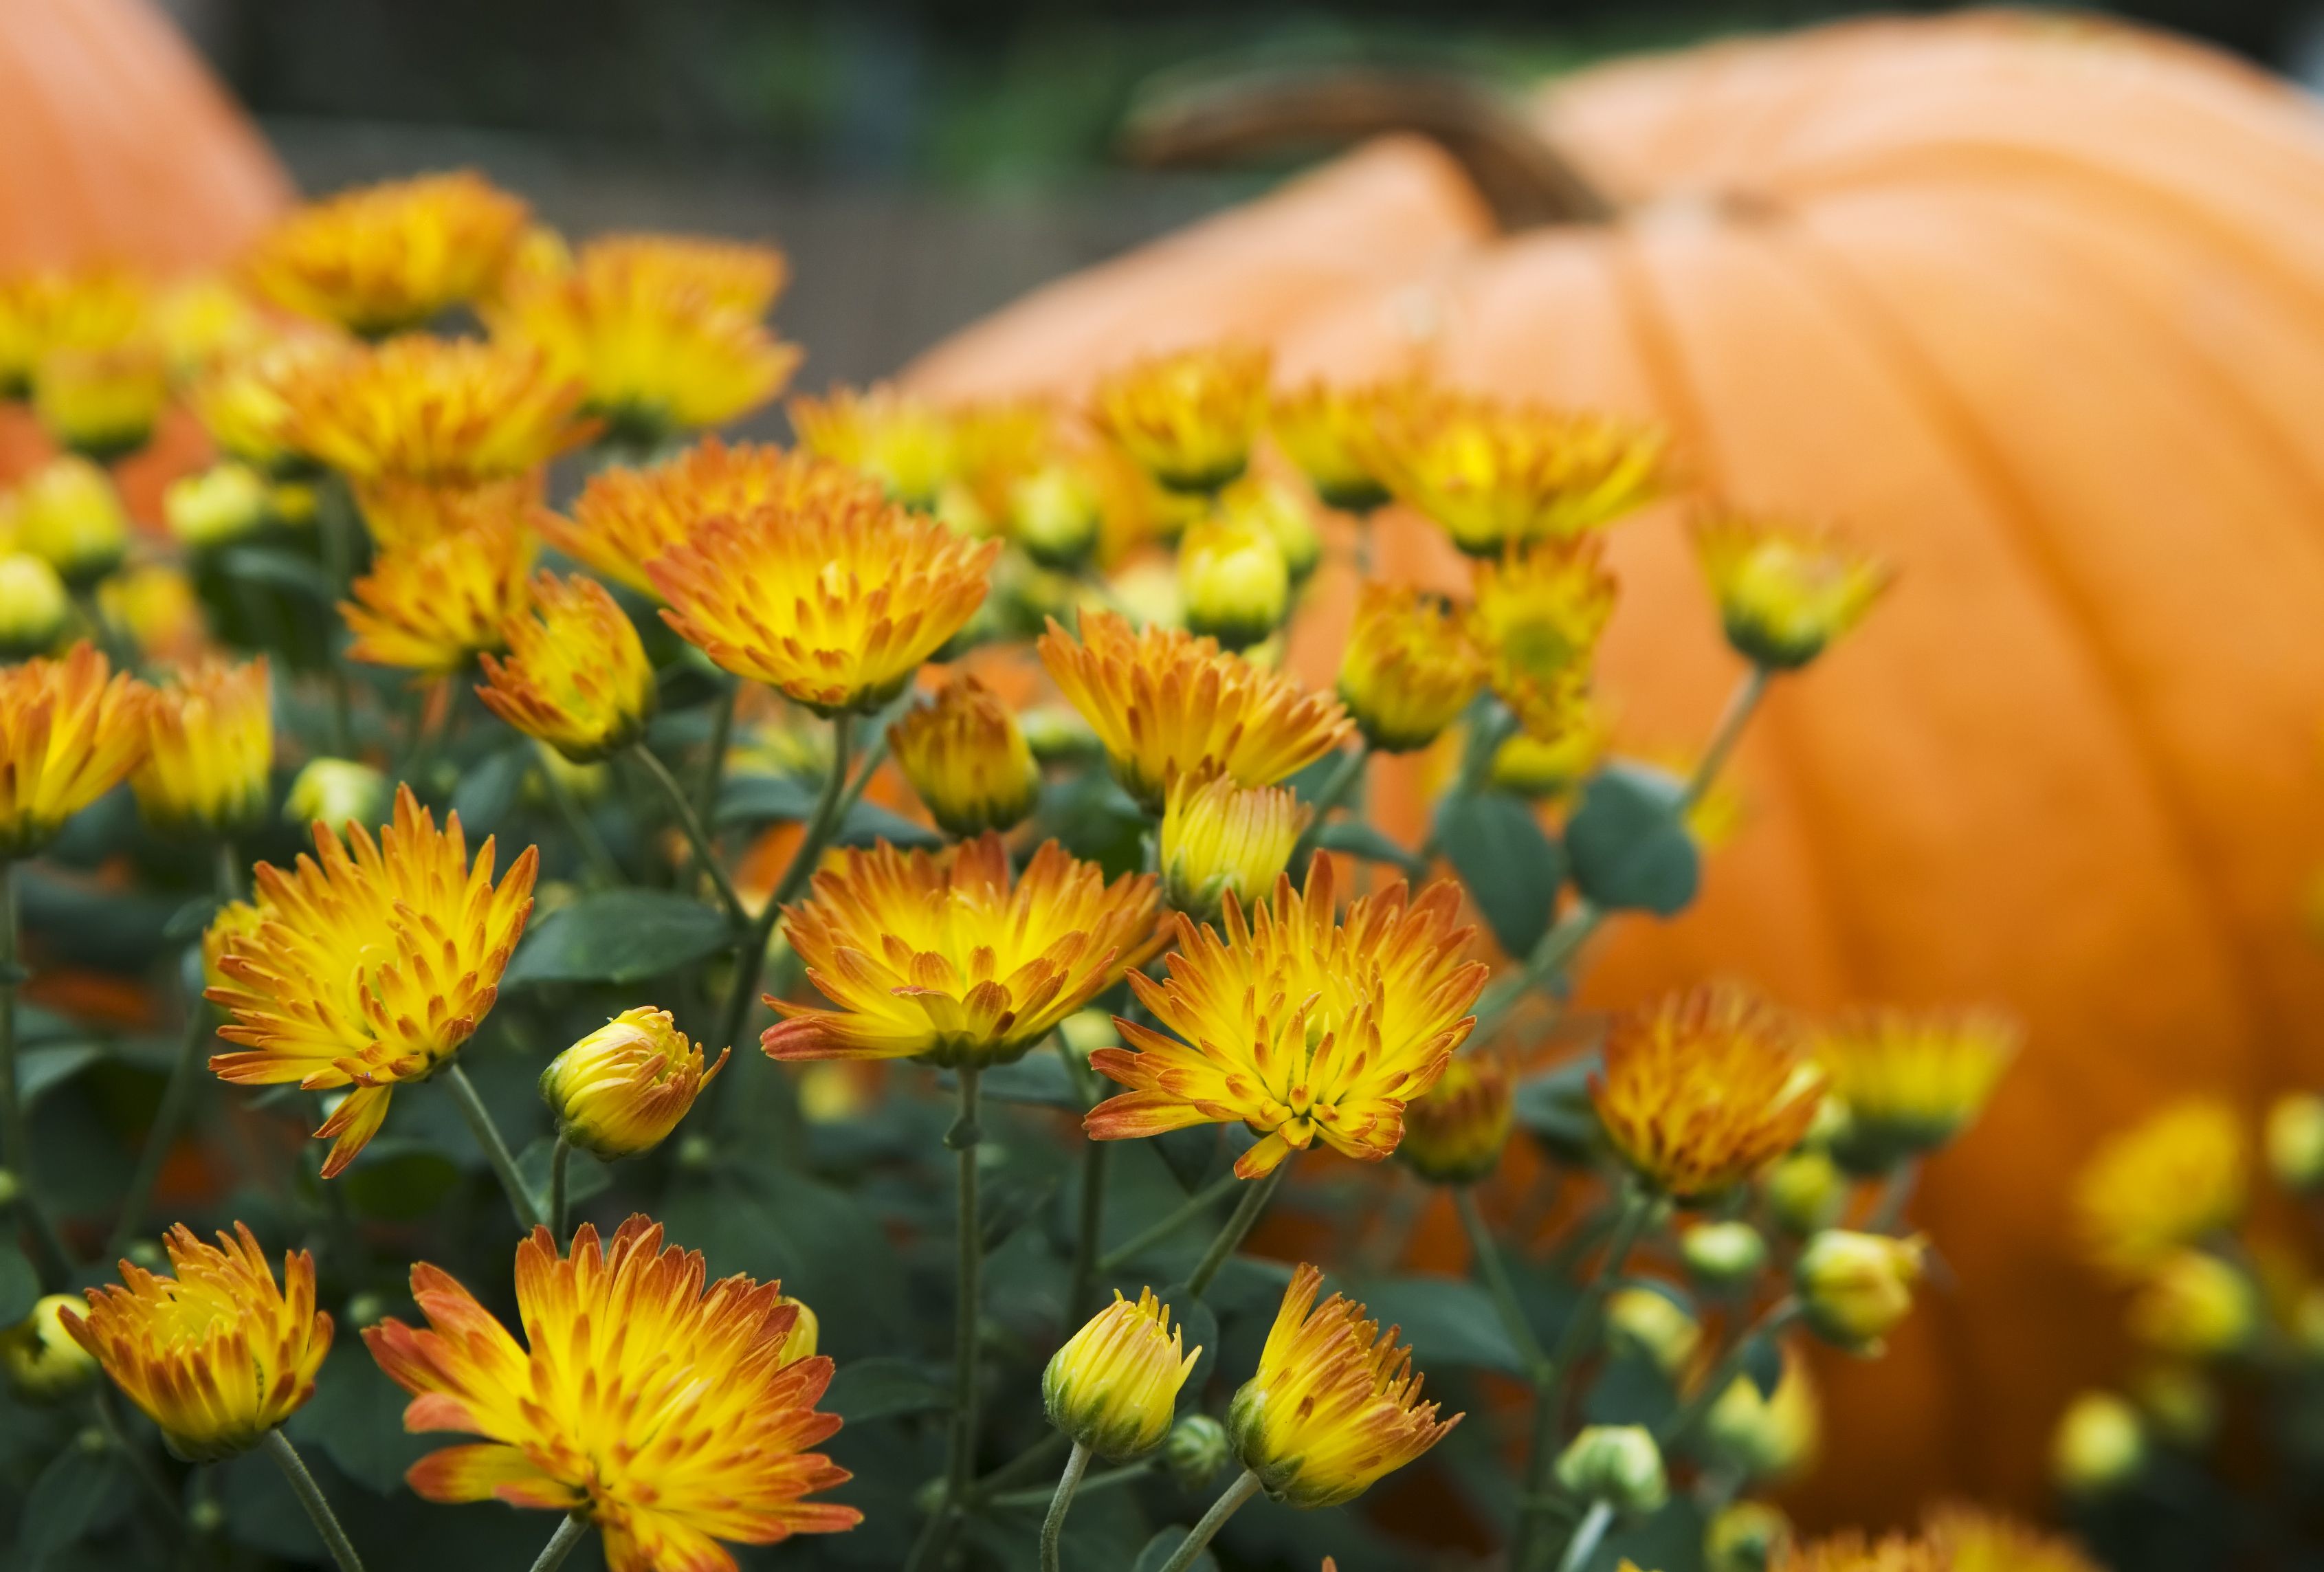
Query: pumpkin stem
point(1522, 176)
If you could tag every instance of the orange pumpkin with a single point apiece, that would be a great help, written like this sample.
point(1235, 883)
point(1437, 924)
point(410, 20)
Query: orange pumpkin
point(2036, 306)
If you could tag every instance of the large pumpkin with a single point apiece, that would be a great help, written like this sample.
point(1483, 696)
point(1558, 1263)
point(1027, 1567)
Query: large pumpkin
point(2037, 307)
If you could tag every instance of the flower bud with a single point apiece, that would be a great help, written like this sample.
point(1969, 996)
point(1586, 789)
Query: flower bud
point(1616, 1463)
point(45, 1363)
point(2194, 1306)
point(102, 402)
point(1219, 837)
point(70, 517)
point(1409, 669)
point(1279, 512)
point(1087, 1030)
point(1196, 1451)
point(338, 793)
point(2099, 1444)
point(1652, 1325)
point(1113, 1386)
point(222, 505)
point(1058, 733)
point(1746, 1536)
point(2181, 1404)
point(2295, 1141)
point(1785, 592)
point(1187, 418)
point(210, 734)
point(1765, 1436)
point(33, 606)
point(805, 1331)
point(1453, 1133)
point(967, 759)
point(1805, 1191)
point(1723, 1254)
point(1235, 581)
point(622, 1088)
point(1855, 1287)
point(1054, 516)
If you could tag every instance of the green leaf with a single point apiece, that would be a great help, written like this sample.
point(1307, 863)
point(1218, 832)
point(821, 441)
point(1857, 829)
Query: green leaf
point(1763, 1362)
point(1038, 1080)
point(585, 1174)
point(42, 1069)
point(1512, 868)
point(883, 1387)
point(263, 1514)
point(1198, 1328)
point(357, 1418)
point(83, 1491)
point(868, 822)
point(400, 1181)
point(488, 789)
point(1556, 1107)
point(280, 571)
point(20, 1285)
point(757, 799)
point(618, 936)
point(1159, 1548)
point(1188, 1154)
point(1446, 1321)
point(1630, 845)
point(1360, 839)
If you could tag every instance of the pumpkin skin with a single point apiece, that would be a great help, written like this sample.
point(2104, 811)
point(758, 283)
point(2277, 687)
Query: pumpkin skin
point(2036, 308)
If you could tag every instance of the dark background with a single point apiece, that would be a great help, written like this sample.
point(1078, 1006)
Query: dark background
point(922, 162)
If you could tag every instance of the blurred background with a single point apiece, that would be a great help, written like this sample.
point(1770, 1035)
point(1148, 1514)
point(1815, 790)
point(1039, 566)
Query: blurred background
point(923, 162)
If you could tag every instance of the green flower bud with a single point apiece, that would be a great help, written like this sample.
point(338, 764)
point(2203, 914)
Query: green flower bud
point(1196, 1451)
point(1616, 1463)
point(1723, 1254)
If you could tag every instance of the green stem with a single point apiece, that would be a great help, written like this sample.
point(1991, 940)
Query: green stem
point(496, 1152)
point(1194, 1206)
point(696, 837)
point(1557, 948)
point(584, 829)
point(1092, 1226)
point(185, 1074)
point(310, 1496)
point(1689, 1414)
point(1588, 1537)
point(1052, 1526)
point(228, 872)
point(1239, 1223)
point(561, 1544)
point(1575, 1340)
point(1895, 1194)
point(1112, 1479)
point(1726, 733)
point(1336, 786)
point(557, 1160)
point(1197, 1538)
point(963, 1138)
point(1024, 1466)
point(15, 1130)
point(713, 767)
point(1495, 1272)
point(830, 809)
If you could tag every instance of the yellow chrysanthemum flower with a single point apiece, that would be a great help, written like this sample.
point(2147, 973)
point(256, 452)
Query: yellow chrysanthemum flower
point(1327, 430)
point(201, 321)
point(1189, 418)
point(209, 736)
point(1114, 1385)
point(1554, 765)
point(1453, 1133)
point(2163, 1183)
point(836, 603)
point(1909, 1080)
point(657, 348)
point(1336, 1404)
point(968, 759)
point(576, 676)
point(1538, 613)
point(34, 605)
point(1165, 703)
point(908, 445)
point(1218, 838)
point(102, 402)
point(1976, 1540)
point(156, 605)
point(433, 608)
point(1703, 1089)
point(445, 412)
point(217, 1356)
point(661, 1409)
point(625, 518)
point(217, 506)
point(71, 731)
point(1785, 591)
point(372, 963)
point(1234, 581)
point(1409, 668)
point(1056, 512)
point(733, 275)
point(937, 956)
point(1300, 1024)
point(243, 401)
point(1496, 475)
point(385, 258)
point(70, 515)
point(622, 1089)
point(1852, 1552)
point(2192, 1305)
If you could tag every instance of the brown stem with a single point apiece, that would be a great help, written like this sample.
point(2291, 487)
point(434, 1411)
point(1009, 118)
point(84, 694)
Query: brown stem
point(1522, 176)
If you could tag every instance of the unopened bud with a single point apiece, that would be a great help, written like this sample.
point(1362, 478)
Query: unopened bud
point(1855, 1287)
point(1723, 1254)
point(1746, 1536)
point(44, 1362)
point(2194, 1306)
point(1618, 1465)
point(1196, 1451)
point(2099, 1444)
point(338, 791)
point(1651, 1325)
point(2295, 1141)
point(1805, 1191)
